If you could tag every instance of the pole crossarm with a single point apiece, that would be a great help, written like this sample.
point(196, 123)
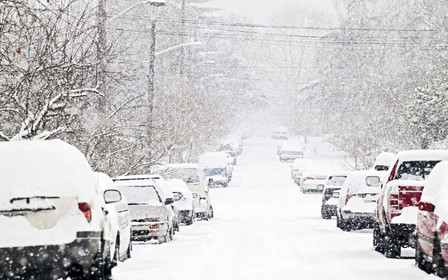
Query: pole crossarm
point(155, 3)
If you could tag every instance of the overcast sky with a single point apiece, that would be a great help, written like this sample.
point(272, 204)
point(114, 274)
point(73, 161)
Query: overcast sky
point(260, 10)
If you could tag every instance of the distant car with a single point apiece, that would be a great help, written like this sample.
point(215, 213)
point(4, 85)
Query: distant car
point(298, 167)
point(280, 132)
point(356, 205)
point(118, 217)
point(52, 221)
point(194, 176)
point(329, 201)
point(383, 161)
point(151, 211)
point(431, 252)
point(217, 168)
point(290, 151)
point(314, 177)
point(184, 200)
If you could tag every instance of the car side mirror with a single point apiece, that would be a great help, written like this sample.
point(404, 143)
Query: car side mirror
point(373, 181)
point(336, 194)
point(195, 195)
point(169, 201)
point(112, 196)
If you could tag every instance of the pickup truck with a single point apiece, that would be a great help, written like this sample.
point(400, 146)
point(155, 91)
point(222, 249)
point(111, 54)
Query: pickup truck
point(396, 210)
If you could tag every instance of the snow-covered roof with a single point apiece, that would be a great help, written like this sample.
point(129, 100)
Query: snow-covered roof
point(385, 159)
point(436, 191)
point(417, 155)
point(44, 168)
point(291, 146)
point(356, 181)
point(178, 185)
point(213, 160)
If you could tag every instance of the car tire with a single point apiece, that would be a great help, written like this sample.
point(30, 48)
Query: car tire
point(324, 214)
point(128, 251)
point(116, 256)
point(392, 249)
point(340, 223)
point(378, 239)
point(420, 261)
point(210, 215)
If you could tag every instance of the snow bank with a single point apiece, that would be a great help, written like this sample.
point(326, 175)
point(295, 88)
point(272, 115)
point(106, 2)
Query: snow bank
point(357, 204)
point(408, 216)
point(213, 159)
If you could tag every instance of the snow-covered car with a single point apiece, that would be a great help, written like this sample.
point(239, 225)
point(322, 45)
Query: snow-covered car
point(314, 177)
point(431, 252)
point(383, 161)
point(184, 200)
point(356, 205)
point(280, 132)
point(289, 151)
point(118, 218)
point(396, 210)
point(52, 222)
point(217, 168)
point(232, 144)
point(298, 167)
point(151, 212)
point(329, 201)
point(194, 176)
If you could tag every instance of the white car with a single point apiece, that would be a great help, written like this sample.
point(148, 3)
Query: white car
point(184, 200)
point(217, 168)
point(50, 214)
point(118, 218)
point(289, 151)
point(357, 201)
point(280, 132)
point(298, 167)
point(193, 175)
point(151, 211)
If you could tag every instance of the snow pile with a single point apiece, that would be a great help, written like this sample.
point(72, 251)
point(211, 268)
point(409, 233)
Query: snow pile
point(408, 216)
point(436, 191)
point(213, 160)
point(357, 204)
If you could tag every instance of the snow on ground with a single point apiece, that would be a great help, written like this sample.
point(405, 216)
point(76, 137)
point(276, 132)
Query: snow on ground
point(264, 228)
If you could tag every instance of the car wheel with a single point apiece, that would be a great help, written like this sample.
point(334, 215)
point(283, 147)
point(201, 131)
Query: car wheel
point(420, 261)
point(378, 240)
point(340, 223)
point(116, 257)
point(391, 247)
point(210, 215)
point(324, 214)
point(438, 263)
point(128, 251)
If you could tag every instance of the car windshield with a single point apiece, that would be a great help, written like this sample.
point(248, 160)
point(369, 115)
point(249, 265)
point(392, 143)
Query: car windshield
point(415, 170)
point(336, 180)
point(214, 171)
point(188, 175)
point(140, 194)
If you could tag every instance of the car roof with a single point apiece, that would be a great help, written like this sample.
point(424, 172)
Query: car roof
point(422, 155)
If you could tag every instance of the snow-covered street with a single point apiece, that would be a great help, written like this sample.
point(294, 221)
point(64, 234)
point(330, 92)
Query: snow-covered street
point(265, 228)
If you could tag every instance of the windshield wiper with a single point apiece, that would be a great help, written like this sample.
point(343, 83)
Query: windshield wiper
point(28, 199)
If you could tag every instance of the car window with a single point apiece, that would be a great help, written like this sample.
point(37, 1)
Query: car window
point(414, 170)
point(188, 175)
point(336, 180)
point(140, 194)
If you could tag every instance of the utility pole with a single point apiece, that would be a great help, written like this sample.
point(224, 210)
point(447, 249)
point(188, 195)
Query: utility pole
point(151, 72)
point(182, 52)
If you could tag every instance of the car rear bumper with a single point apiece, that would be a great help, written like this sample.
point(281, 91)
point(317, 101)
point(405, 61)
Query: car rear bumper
point(329, 209)
point(404, 234)
point(53, 261)
point(359, 217)
point(149, 230)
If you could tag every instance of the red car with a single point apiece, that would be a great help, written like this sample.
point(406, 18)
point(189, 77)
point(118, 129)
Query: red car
point(396, 210)
point(431, 253)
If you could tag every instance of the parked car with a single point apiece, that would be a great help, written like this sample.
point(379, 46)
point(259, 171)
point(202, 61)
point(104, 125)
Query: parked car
point(431, 252)
point(383, 161)
point(280, 132)
point(396, 210)
point(232, 144)
point(298, 167)
point(329, 202)
point(357, 201)
point(290, 151)
point(150, 208)
point(216, 167)
point(184, 200)
point(194, 176)
point(53, 225)
point(118, 218)
point(314, 177)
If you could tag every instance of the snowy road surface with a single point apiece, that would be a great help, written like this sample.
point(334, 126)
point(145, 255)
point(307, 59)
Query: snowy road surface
point(264, 228)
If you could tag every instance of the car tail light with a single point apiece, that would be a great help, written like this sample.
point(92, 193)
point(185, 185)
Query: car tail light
point(347, 198)
point(326, 193)
point(394, 205)
point(443, 233)
point(154, 227)
point(86, 210)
